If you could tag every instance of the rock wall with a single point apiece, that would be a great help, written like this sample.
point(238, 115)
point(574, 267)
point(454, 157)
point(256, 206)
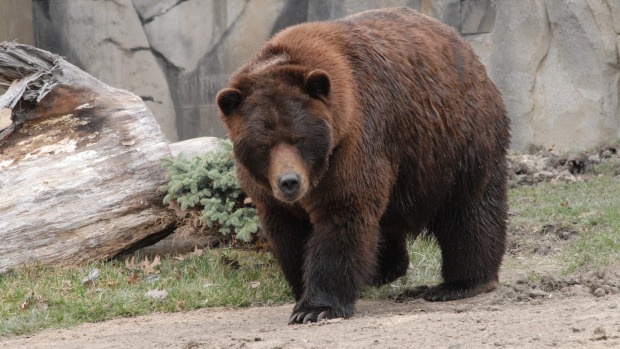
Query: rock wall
point(16, 21)
point(15, 25)
point(107, 39)
point(556, 62)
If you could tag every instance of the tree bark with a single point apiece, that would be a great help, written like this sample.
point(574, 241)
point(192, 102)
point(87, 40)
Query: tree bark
point(79, 164)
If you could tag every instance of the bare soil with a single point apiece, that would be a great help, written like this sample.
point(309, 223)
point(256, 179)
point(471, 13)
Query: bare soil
point(502, 319)
point(580, 310)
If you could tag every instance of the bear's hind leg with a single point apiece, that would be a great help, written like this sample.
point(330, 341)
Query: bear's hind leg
point(393, 258)
point(472, 237)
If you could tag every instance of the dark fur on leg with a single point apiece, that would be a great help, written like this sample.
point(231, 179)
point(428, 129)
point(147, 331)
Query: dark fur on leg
point(393, 258)
point(472, 237)
point(340, 259)
point(288, 234)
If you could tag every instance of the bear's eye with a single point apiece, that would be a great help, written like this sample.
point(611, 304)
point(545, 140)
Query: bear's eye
point(270, 125)
point(299, 141)
point(262, 147)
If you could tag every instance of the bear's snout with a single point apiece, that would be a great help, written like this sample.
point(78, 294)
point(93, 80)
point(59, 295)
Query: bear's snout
point(289, 184)
point(287, 173)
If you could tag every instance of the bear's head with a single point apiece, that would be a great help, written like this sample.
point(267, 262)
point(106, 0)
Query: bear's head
point(279, 122)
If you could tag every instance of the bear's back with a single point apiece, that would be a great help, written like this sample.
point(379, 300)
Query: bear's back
point(403, 84)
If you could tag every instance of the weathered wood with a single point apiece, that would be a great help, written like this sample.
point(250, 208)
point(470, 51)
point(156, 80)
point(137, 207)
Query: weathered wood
point(179, 243)
point(79, 164)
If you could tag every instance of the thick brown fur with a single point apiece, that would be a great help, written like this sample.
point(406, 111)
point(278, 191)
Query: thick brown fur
point(390, 121)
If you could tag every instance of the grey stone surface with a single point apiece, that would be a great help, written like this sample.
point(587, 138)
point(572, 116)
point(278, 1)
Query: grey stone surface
point(326, 9)
point(447, 11)
point(176, 32)
point(513, 53)
point(477, 16)
point(106, 39)
point(16, 21)
point(578, 96)
point(242, 29)
point(149, 9)
point(556, 62)
point(557, 66)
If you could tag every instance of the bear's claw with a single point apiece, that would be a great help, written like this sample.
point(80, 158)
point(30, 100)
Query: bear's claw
point(307, 315)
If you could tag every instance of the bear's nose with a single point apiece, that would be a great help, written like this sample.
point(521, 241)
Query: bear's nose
point(289, 184)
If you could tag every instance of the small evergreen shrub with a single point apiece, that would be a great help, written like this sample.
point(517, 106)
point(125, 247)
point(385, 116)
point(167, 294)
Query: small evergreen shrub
point(208, 182)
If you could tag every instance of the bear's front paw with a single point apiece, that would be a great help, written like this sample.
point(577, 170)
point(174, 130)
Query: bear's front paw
point(304, 313)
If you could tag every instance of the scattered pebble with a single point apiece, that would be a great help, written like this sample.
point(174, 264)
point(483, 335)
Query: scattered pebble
point(599, 292)
point(462, 309)
point(599, 334)
point(153, 278)
point(91, 277)
point(156, 294)
point(538, 293)
point(494, 308)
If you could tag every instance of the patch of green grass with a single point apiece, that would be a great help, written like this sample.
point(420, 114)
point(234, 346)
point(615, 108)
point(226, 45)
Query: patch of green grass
point(606, 168)
point(424, 269)
point(39, 297)
point(591, 209)
point(425, 258)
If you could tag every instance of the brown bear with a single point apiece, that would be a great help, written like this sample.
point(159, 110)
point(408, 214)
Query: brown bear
point(352, 135)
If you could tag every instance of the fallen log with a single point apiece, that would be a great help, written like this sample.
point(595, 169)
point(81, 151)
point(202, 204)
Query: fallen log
point(79, 164)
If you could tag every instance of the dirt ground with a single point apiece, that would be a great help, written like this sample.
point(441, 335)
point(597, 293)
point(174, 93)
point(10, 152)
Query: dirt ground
point(494, 320)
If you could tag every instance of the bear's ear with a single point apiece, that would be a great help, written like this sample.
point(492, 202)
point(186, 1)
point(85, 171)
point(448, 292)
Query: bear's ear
point(317, 83)
point(228, 100)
